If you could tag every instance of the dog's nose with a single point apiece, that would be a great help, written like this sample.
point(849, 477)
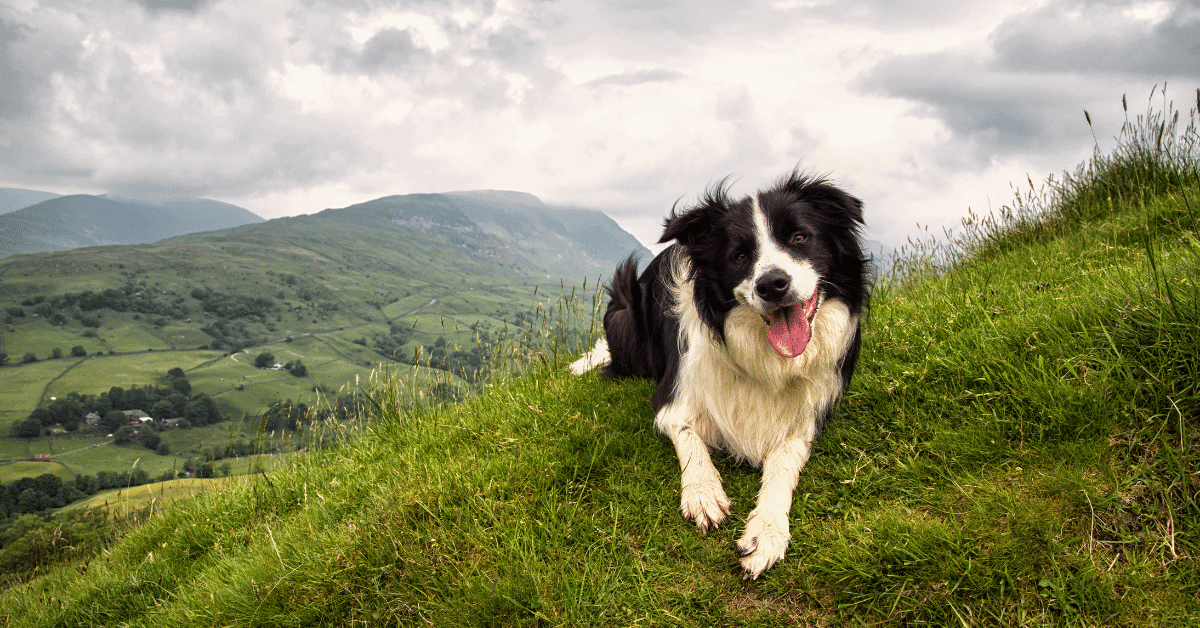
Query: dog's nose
point(773, 285)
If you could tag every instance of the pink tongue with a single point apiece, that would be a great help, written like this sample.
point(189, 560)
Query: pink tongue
point(789, 331)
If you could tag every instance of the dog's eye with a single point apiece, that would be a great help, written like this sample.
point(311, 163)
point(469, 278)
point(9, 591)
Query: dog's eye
point(740, 257)
point(797, 238)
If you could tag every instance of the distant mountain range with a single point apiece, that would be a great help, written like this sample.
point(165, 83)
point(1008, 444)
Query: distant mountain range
point(511, 229)
point(344, 289)
point(61, 223)
point(12, 199)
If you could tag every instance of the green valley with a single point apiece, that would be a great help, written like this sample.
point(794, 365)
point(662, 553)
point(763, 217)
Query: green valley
point(435, 279)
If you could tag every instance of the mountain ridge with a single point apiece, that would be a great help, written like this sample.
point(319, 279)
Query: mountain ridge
point(12, 199)
point(79, 220)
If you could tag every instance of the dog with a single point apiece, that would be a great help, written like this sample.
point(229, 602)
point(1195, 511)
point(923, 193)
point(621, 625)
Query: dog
point(750, 324)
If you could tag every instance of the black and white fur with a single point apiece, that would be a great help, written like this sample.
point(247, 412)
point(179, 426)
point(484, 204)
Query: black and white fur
point(786, 259)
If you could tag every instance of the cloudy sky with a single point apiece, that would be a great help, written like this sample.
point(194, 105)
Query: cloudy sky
point(920, 108)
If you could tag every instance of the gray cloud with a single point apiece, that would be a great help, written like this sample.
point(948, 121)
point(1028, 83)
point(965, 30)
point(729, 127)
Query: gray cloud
point(890, 12)
point(390, 49)
point(637, 77)
point(1012, 110)
point(1027, 94)
point(1100, 38)
point(181, 6)
point(30, 58)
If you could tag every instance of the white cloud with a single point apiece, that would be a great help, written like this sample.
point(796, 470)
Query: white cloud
point(293, 106)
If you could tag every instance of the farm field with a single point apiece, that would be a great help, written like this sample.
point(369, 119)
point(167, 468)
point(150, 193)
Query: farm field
point(10, 471)
point(14, 449)
point(41, 338)
point(21, 386)
point(90, 455)
point(125, 336)
point(159, 495)
point(91, 375)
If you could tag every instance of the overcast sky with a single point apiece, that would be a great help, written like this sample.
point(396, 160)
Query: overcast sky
point(920, 108)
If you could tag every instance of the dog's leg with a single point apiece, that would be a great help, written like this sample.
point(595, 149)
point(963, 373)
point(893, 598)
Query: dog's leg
point(598, 356)
point(702, 497)
point(767, 530)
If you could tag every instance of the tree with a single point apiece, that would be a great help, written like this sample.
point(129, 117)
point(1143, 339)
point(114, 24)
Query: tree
point(87, 484)
point(264, 360)
point(44, 416)
point(112, 421)
point(3, 359)
point(28, 358)
point(29, 428)
point(151, 441)
point(78, 351)
point(48, 484)
point(181, 386)
point(296, 368)
point(163, 409)
point(30, 500)
point(123, 435)
point(116, 396)
point(56, 353)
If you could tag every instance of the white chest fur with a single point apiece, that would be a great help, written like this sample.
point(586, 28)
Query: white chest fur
point(744, 397)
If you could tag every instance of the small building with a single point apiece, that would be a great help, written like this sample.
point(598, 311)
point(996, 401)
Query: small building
point(42, 457)
point(136, 417)
point(92, 419)
point(172, 422)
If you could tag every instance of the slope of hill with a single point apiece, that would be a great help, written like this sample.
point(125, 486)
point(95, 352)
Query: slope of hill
point(12, 199)
point(79, 220)
point(1018, 448)
point(510, 228)
point(342, 290)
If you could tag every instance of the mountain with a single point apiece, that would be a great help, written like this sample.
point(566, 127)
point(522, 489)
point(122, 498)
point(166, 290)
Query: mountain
point(12, 199)
point(79, 220)
point(511, 228)
point(343, 289)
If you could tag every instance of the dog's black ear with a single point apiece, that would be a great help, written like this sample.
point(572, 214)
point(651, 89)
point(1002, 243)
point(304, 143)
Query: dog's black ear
point(820, 192)
point(690, 225)
point(686, 227)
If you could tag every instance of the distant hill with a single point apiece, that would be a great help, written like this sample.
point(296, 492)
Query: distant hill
point(69, 222)
point(12, 199)
point(511, 228)
point(343, 289)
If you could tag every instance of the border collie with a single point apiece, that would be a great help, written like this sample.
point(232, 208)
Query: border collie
point(749, 323)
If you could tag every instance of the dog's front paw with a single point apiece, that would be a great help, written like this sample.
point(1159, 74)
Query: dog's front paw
point(764, 543)
point(705, 503)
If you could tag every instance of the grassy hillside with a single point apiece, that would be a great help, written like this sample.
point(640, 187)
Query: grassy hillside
point(342, 291)
point(1019, 447)
point(67, 222)
point(12, 199)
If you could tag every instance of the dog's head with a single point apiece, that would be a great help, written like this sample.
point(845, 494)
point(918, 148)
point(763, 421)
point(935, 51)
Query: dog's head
point(780, 253)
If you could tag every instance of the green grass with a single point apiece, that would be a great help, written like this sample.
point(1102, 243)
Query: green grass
point(120, 459)
point(198, 441)
point(124, 336)
point(1018, 448)
point(12, 471)
point(13, 449)
point(41, 338)
point(90, 376)
point(157, 496)
point(21, 387)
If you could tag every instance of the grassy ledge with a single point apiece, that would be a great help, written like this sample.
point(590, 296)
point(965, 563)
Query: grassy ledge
point(1019, 447)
